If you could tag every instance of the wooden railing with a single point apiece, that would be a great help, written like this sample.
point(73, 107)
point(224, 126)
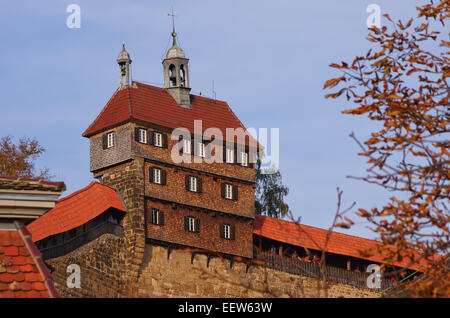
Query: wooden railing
point(83, 238)
point(331, 274)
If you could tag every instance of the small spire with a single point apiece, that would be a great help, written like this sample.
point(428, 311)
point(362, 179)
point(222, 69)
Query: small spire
point(174, 34)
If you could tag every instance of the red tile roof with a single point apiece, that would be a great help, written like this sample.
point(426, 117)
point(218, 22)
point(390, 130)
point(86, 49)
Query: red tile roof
point(75, 210)
point(155, 105)
point(315, 238)
point(23, 274)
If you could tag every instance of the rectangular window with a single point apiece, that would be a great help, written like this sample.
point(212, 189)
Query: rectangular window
point(157, 139)
point(110, 139)
point(228, 191)
point(142, 135)
point(201, 149)
point(191, 224)
point(186, 146)
point(192, 184)
point(156, 175)
point(230, 156)
point(244, 159)
point(157, 217)
point(226, 231)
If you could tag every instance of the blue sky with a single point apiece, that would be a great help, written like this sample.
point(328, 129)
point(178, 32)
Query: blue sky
point(268, 60)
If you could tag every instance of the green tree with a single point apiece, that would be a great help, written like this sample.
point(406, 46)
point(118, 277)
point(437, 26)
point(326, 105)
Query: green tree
point(270, 192)
point(18, 159)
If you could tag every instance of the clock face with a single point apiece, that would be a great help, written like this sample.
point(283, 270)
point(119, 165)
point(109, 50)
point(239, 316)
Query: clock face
point(174, 34)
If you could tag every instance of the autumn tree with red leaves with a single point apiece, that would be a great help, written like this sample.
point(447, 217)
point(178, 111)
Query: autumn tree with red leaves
point(403, 84)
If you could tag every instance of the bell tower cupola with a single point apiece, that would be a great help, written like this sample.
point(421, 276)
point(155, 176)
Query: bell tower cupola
point(176, 74)
point(124, 61)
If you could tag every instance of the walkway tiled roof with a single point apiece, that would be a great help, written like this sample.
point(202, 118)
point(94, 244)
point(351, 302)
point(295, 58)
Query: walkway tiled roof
point(75, 210)
point(155, 105)
point(314, 238)
point(23, 274)
point(18, 183)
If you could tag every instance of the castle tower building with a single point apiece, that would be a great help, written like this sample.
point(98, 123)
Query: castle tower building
point(174, 193)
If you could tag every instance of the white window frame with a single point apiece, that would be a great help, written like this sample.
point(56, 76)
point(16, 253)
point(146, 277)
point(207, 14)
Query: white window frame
point(228, 191)
point(244, 159)
point(227, 231)
point(111, 139)
point(193, 186)
point(229, 156)
point(142, 135)
point(201, 149)
point(157, 139)
point(191, 224)
point(186, 146)
point(156, 175)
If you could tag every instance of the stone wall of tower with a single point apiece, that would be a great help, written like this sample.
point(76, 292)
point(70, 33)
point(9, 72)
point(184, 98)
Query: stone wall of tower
point(180, 275)
point(128, 179)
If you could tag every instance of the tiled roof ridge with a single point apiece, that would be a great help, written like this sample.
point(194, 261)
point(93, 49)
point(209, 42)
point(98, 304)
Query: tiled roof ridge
point(37, 258)
point(318, 228)
point(90, 185)
point(102, 111)
point(212, 100)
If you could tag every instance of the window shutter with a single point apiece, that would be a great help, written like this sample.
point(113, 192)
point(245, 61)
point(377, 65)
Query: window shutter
point(105, 141)
point(136, 134)
point(163, 177)
point(181, 144)
point(199, 185)
point(164, 140)
point(222, 230)
point(186, 223)
point(151, 138)
point(235, 192)
point(232, 232)
point(224, 159)
point(161, 217)
point(187, 181)
point(150, 171)
point(197, 225)
point(222, 190)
